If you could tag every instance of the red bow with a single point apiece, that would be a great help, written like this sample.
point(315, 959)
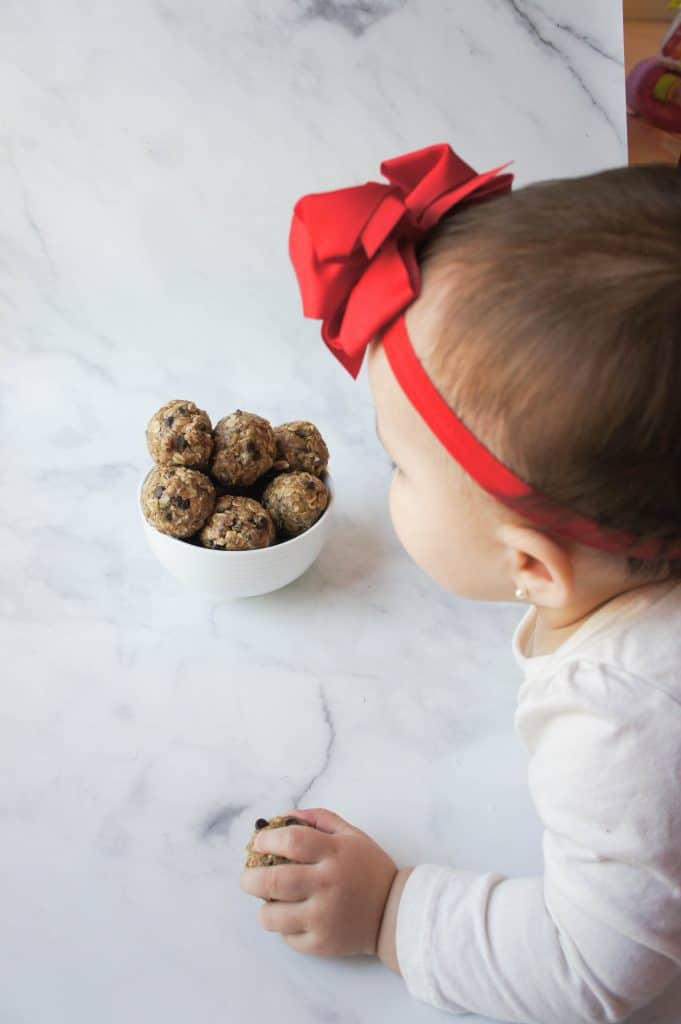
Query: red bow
point(353, 250)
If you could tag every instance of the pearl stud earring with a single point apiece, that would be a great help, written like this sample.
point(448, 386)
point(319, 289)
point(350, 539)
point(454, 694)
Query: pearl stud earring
point(520, 593)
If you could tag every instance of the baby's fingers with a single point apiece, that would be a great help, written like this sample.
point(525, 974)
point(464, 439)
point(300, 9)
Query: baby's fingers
point(288, 882)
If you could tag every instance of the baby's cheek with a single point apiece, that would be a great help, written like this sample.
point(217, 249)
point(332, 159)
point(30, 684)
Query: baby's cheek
point(407, 514)
point(432, 531)
point(397, 505)
point(428, 531)
point(393, 499)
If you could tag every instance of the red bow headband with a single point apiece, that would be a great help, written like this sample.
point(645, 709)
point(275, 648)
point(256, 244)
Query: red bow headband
point(353, 251)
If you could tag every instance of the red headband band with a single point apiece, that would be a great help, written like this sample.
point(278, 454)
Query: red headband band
point(353, 251)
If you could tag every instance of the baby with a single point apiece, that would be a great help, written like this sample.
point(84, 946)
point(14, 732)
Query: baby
point(524, 356)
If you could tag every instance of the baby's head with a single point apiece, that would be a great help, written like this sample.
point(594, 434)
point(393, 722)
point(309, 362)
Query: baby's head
point(550, 321)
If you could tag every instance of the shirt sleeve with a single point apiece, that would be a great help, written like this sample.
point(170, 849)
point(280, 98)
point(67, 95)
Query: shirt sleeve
point(599, 934)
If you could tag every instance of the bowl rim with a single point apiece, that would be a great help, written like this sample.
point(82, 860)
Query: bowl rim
point(328, 480)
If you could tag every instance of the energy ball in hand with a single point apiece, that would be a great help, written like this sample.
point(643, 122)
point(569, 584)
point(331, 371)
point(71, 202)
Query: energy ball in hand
point(238, 524)
point(179, 434)
point(257, 859)
point(295, 501)
point(244, 449)
point(300, 446)
point(177, 500)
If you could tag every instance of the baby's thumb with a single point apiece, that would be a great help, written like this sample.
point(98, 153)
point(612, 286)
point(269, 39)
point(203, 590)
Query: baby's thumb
point(323, 819)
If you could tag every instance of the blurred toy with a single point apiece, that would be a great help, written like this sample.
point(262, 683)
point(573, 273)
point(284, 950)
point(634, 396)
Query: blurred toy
point(653, 86)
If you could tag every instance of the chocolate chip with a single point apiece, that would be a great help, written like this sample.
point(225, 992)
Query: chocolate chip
point(180, 443)
point(261, 522)
point(179, 502)
point(158, 492)
point(169, 517)
point(260, 823)
point(170, 420)
point(183, 410)
point(309, 486)
point(300, 433)
point(252, 448)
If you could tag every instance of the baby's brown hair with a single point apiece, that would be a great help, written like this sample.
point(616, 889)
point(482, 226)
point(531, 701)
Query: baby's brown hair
point(557, 339)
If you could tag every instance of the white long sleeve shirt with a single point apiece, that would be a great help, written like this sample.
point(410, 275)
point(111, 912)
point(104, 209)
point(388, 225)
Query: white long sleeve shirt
point(599, 934)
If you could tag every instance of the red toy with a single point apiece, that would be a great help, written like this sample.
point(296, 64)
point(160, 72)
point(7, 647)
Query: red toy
point(654, 85)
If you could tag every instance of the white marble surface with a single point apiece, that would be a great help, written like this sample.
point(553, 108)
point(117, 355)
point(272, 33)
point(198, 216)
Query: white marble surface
point(150, 155)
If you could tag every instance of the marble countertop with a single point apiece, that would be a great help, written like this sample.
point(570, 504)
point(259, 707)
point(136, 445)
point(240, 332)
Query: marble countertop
point(151, 152)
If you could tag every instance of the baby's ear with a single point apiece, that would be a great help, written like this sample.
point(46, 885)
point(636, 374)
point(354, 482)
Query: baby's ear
point(537, 564)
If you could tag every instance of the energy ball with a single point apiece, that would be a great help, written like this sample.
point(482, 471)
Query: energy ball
point(238, 524)
point(257, 859)
point(177, 500)
point(179, 434)
point(244, 449)
point(300, 446)
point(295, 501)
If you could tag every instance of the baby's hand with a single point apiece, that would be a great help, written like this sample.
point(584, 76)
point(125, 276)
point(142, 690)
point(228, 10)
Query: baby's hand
point(330, 902)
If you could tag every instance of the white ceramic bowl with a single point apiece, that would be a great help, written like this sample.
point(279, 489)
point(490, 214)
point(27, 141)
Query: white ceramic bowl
point(231, 574)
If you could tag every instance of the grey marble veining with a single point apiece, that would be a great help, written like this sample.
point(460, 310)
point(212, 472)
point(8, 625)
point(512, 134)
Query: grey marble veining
point(150, 156)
